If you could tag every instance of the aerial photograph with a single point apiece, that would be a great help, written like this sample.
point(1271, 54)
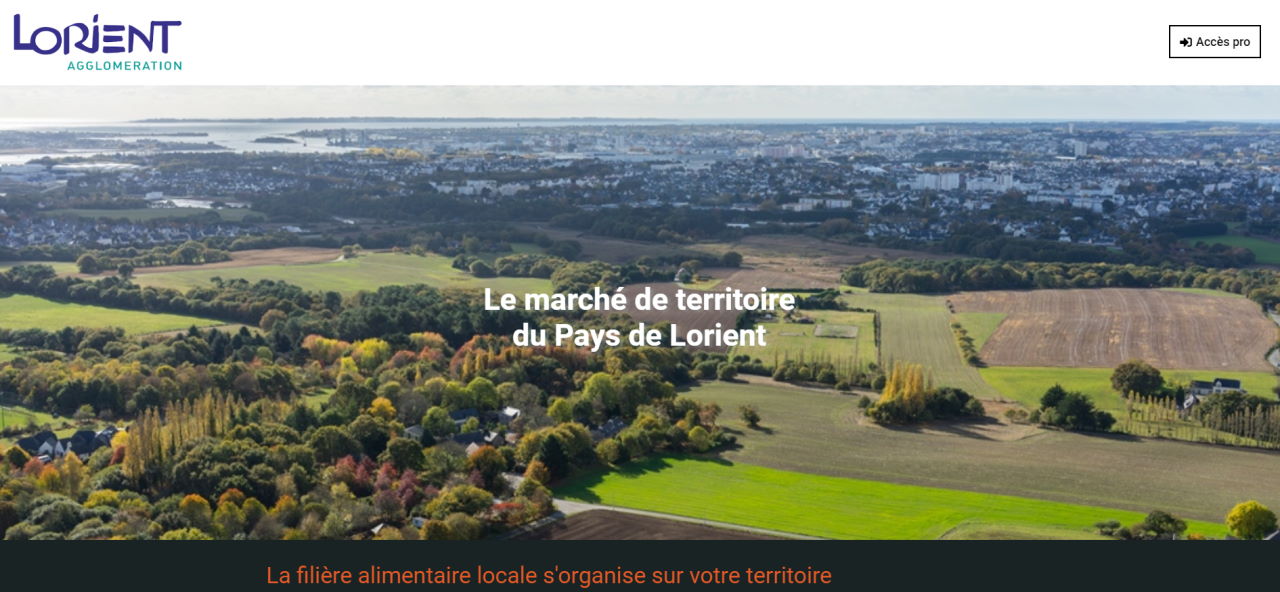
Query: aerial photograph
point(264, 313)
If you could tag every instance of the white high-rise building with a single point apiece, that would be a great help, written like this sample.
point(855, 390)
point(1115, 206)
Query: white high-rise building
point(936, 181)
point(1000, 183)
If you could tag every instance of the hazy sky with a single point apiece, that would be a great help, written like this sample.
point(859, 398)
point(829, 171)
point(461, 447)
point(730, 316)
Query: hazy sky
point(85, 103)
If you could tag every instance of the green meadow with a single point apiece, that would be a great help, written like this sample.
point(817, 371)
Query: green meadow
point(980, 325)
point(799, 340)
point(369, 271)
point(916, 328)
point(59, 267)
point(829, 507)
point(824, 432)
point(1027, 384)
point(1267, 252)
point(19, 311)
point(63, 427)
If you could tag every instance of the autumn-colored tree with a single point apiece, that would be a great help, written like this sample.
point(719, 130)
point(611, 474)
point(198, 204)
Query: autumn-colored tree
point(287, 511)
point(324, 349)
point(708, 413)
point(197, 511)
point(348, 370)
point(185, 534)
point(609, 451)
point(428, 340)
point(699, 439)
point(271, 318)
point(382, 408)
point(1251, 520)
point(905, 386)
point(466, 499)
point(50, 479)
point(74, 475)
point(536, 471)
point(436, 530)
point(490, 463)
point(465, 527)
point(370, 353)
point(34, 467)
point(157, 435)
point(103, 497)
point(233, 496)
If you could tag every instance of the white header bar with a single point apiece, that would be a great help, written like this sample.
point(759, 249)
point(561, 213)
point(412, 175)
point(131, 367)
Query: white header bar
point(594, 42)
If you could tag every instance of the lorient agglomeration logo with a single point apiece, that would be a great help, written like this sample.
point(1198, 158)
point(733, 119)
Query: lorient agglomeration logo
point(100, 38)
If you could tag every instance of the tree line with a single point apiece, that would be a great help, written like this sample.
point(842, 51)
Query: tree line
point(906, 276)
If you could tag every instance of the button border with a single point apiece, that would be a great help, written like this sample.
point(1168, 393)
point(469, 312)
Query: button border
point(1173, 57)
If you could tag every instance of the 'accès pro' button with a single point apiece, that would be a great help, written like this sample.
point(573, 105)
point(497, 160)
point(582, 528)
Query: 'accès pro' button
point(1215, 41)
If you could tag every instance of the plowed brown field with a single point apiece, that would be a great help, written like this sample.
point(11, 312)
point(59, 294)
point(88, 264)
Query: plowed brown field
point(1102, 328)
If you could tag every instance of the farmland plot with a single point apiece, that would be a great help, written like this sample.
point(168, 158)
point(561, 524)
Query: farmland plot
point(916, 328)
point(1103, 328)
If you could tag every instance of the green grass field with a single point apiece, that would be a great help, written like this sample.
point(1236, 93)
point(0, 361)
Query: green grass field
point(318, 398)
point(797, 340)
point(1267, 252)
point(149, 214)
point(917, 328)
point(19, 311)
point(59, 267)
point(21, 416)
point(829, 507)
point(824, 433)
point(980, 325)
point(366, 272)
point(1027, 384)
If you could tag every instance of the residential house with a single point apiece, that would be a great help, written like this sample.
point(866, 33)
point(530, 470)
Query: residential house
point(1199, 389)
point(608, 430)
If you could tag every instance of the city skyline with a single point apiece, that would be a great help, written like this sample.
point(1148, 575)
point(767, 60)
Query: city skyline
point(853, 104)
